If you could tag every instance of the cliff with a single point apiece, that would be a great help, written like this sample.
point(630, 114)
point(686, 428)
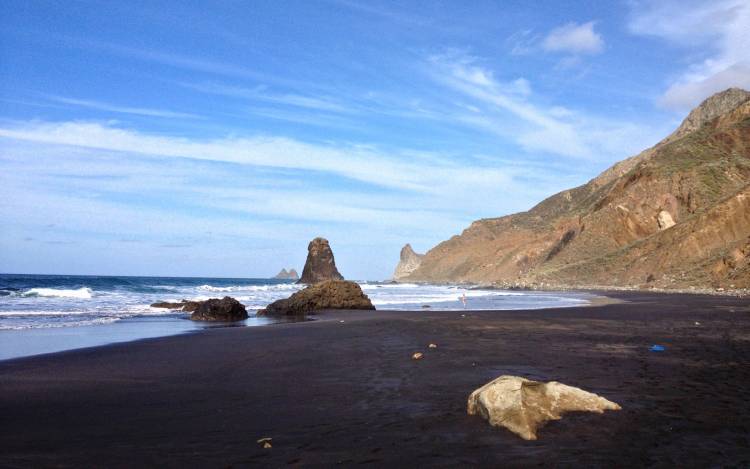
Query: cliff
point(673, 216)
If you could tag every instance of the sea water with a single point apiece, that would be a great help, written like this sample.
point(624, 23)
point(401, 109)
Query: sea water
point(48, 313)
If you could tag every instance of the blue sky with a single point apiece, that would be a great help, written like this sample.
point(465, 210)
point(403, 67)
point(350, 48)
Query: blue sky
point(217, 139)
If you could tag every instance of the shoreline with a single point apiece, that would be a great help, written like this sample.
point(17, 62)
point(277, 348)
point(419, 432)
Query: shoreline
point(34, 342)
point(330, 392)
point(738, 292)
point(51, 340)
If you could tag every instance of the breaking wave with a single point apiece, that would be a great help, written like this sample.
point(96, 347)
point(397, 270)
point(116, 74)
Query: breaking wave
point(81, 293)
point(235, 288)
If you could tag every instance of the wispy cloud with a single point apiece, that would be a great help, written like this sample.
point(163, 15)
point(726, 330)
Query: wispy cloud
point(98, 105)
point(384, 13)
point(554, 129)
point(423, 173)
point(523, 42)
point(182, 61)
point(722, 25)
point(351, 161)
point(574, 38)
point(259, 93)
point(311, 119)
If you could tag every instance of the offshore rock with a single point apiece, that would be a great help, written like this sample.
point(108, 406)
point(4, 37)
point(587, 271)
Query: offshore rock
point(226, 309)
point(184, 305)
point(320, 265)
point(408, 263)
point(522, 405)
point(290, 274)
point(331, 294)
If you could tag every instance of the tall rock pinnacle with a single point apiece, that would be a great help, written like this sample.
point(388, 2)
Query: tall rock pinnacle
point(408, 263)
point(320, 264)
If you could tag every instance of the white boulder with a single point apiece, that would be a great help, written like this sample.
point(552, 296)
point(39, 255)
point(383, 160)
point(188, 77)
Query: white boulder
point(522, 405)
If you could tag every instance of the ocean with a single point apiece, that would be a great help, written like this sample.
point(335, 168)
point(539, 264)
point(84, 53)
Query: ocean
point(49, 313)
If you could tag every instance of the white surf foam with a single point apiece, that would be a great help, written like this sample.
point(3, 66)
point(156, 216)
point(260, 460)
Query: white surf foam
point(235, 288)
point(81, 293)
point(58, 325)
point(371, 286)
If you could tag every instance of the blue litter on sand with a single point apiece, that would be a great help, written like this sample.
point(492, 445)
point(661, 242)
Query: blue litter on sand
point(657, 348)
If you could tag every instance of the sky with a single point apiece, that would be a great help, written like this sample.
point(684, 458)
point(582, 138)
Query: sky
point(218, 138)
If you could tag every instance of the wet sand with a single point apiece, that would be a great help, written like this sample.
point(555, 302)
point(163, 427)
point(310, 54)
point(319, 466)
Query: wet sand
point(329, 392)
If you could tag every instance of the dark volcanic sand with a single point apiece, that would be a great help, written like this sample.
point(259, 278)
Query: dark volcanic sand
point(349, 393)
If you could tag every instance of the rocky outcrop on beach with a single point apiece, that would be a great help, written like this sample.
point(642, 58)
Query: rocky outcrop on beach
point(674, 217)
point(290, 274)
point(408, 262)
point(331, 294)
point(226, 309)
point(522, 405)
point(320, 264)
point(184, 305)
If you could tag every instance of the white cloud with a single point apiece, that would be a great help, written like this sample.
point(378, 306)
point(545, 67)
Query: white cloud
point(506, 109)
point(279, 152)
point(686, 93)
point(427, 174)
point(123, 109)
point(574, 38)
point(717, 32)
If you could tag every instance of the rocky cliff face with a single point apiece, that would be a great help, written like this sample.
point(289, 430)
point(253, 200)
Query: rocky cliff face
point(408, 263)
point(320, 264)
point(290, 274)
point(674, 216)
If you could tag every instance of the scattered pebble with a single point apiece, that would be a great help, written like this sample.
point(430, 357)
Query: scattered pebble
point(463, 315)
point(433, 345)
point(697, 323)
point(417, 356)
point(265, 442)
point(341, 320)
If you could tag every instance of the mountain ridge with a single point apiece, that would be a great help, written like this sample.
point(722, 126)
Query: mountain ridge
point(704, 162)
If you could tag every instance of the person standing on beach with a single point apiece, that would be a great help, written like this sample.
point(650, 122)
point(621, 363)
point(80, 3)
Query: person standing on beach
point(463, 299)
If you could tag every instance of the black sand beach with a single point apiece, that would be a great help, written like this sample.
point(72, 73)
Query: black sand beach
point(349, 393)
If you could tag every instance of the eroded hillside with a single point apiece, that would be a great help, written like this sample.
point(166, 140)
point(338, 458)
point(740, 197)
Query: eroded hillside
point(674, 216)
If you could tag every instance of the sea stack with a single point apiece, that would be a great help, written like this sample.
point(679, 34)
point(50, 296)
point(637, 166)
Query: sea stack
point(320, 265)
point(290, 274)
point(408, 263)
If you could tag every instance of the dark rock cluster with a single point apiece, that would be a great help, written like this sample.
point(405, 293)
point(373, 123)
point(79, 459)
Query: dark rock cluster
point(332, 294)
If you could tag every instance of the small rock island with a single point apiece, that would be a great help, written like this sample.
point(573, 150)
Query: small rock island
point(284, 274)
